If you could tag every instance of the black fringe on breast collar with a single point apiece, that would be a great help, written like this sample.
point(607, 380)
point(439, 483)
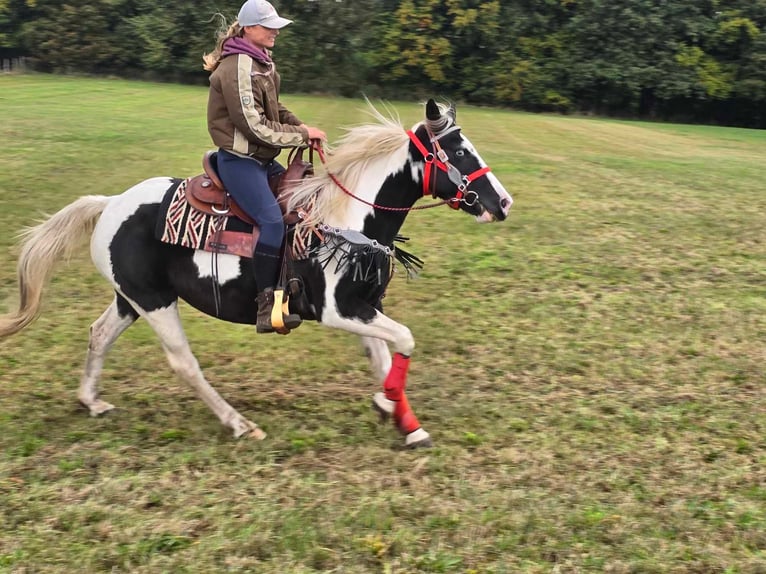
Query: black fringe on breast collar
point(361, 258)
point(411, 263)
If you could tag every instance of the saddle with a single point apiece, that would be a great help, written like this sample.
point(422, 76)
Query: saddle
point(206, 193)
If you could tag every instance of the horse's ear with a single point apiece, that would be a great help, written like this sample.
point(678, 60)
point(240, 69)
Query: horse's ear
point(433, 112)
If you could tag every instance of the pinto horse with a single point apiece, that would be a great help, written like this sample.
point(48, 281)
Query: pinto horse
point(373, 179)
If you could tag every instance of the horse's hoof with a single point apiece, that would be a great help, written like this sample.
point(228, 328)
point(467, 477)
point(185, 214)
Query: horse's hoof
point(99, 408)
point(418, 439)
point(383, 416)
point(244, 428)
point(383, 406)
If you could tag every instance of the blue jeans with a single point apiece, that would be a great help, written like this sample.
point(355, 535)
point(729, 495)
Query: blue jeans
point(247, 180)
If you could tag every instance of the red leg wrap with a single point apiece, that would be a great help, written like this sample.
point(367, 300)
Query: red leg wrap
point(396, 380)
point(394, 385)
point(404, 418)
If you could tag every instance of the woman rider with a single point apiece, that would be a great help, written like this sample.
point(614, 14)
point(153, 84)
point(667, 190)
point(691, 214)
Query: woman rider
point(250, 126)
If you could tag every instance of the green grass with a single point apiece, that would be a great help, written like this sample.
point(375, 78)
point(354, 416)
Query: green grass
point(591, 370)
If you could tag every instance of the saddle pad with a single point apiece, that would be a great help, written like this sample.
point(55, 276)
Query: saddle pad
point(178, 223)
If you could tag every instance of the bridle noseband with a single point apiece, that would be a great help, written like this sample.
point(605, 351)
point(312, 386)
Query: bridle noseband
point(438, 159)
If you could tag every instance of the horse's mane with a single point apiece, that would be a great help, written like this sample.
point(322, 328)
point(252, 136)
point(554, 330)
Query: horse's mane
point(348, 160)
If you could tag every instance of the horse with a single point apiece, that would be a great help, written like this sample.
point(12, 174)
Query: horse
point(351, 214)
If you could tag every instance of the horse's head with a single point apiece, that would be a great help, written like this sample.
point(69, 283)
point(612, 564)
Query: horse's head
point(454, 169)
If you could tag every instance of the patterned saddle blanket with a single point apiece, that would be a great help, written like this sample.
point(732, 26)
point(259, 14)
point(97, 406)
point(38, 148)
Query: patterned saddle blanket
point(198, 213)
point(181, 224)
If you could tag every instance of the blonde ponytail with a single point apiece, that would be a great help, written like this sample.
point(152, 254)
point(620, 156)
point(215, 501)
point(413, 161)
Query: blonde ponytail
point(212, 59)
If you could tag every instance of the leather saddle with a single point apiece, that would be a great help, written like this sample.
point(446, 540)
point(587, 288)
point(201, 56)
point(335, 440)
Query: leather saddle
point(206, 193)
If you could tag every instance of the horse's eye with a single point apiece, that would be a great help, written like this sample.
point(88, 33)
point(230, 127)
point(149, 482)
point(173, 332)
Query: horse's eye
point(460, 153)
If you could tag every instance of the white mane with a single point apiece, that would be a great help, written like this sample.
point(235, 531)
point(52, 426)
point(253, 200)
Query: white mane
point(348, 161)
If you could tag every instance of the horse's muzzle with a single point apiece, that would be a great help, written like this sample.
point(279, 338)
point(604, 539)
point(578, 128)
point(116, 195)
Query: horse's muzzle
point(498, 214)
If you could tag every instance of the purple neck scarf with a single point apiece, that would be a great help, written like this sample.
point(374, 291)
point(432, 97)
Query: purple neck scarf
point(237, 45)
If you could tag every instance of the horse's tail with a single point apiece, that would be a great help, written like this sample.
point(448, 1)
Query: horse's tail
point(42, 247)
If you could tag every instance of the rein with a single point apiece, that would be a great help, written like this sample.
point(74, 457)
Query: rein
point(433, 161)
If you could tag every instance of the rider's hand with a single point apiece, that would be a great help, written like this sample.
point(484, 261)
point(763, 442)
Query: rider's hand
point(315, 133)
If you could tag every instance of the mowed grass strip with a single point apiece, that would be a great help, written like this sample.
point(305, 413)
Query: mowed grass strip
point(591, 370)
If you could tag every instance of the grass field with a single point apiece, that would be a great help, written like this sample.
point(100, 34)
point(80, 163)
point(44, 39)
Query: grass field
point(591, 370)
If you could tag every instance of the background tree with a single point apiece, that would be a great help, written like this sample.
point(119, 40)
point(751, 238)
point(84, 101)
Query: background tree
point(167, 39)
point(415, 49)
point(694, 60)
point(329, 47)
point(12, 14)
point(72, 36)
point(530, 70)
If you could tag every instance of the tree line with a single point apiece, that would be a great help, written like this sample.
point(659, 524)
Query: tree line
point(685, 60)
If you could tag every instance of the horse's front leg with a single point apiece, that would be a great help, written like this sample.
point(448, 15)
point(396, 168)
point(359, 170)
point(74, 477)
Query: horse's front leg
point(393, 400)
point(380, 363)
point(379, 355)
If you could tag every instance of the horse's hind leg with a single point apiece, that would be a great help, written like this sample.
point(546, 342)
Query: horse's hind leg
point(103, 333)
point(167, 324)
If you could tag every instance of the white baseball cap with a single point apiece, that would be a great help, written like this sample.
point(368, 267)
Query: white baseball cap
point(261, 13)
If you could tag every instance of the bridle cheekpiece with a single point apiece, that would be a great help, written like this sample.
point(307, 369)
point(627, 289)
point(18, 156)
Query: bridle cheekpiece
point(438, 159)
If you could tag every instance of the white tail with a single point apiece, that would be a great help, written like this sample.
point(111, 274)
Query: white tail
point(42, 247)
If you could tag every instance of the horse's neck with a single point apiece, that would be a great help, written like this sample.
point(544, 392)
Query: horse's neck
point(382, 187)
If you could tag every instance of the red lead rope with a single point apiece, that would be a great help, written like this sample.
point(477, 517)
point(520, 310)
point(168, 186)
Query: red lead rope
point(345, 190)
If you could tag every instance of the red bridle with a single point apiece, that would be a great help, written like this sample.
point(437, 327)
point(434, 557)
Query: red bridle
point(438, 159)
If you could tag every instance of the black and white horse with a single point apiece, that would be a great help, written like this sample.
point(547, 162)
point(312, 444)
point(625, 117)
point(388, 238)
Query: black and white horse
point(374, 177)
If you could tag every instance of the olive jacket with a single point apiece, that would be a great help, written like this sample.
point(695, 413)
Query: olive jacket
point(244, 115)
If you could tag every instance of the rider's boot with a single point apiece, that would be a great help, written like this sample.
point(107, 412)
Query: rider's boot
point(274, 314)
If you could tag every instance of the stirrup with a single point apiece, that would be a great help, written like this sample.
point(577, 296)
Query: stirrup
point(281, 318)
